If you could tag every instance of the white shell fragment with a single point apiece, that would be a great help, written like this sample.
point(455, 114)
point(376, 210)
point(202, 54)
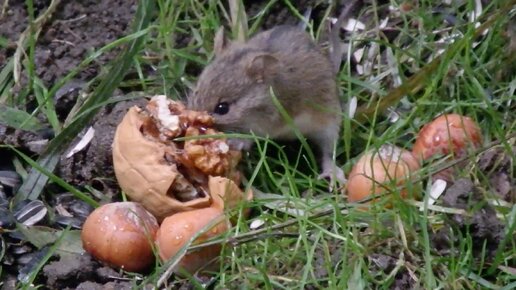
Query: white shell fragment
point(473, 15)
point(257, 223)
point(85, 140)
point(393, 115)
point(436, 191)
point(384, 23)
point(352, 107)
point(353, 25)
point(358, 54)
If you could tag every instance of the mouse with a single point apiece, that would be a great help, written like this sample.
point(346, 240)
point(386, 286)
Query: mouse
point(238, 85)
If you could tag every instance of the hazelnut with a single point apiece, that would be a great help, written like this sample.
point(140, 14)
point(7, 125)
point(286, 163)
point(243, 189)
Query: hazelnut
point(120, 234)
point(449, 133)
point(376, 169)
point(177, 230)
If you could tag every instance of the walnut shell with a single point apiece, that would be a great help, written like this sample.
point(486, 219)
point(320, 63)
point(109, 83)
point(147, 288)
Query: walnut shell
point(166, 174)
point(225, 193)
point(143, 171)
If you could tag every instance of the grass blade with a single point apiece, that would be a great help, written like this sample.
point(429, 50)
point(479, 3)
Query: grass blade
point(18, 119)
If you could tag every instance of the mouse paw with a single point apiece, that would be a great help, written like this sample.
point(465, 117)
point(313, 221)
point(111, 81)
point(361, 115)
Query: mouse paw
point(240, 144)
point(335, 175)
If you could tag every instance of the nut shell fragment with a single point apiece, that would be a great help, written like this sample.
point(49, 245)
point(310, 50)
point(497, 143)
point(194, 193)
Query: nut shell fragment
point(225, 193)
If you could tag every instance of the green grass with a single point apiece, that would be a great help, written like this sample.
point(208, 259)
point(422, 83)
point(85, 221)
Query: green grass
point(311, 238)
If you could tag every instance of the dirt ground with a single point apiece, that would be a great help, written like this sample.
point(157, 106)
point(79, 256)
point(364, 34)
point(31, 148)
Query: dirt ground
point(79, 27)
point(76, 29)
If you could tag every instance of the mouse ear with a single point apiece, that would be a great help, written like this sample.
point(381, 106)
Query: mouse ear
point(261, 66)
point(220, 42)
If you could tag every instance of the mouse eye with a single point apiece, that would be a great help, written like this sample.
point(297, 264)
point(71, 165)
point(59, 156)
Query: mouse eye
point(221, 108)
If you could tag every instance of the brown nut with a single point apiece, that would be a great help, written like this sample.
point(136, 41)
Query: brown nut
point(177, 230)
point(377, 168)
point(120, 234)
point(145, 174)
point(447, 134)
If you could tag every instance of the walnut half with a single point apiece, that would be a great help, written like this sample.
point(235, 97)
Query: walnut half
point(168, 175)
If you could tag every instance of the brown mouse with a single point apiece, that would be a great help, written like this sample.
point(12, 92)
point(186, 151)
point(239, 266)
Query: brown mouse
point(236, 89)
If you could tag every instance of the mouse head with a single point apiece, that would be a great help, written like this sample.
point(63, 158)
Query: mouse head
point(235, 87)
